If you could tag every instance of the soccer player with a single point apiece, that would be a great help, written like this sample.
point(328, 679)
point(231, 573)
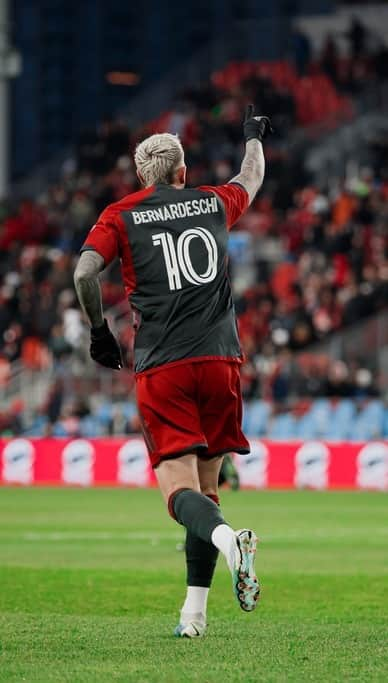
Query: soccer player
point(228, 473)
point(172, 243)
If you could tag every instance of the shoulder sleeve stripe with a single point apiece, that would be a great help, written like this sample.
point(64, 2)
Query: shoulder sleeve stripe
point(234, 197)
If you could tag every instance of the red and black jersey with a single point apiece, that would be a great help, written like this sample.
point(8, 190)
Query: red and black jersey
point(173, 250)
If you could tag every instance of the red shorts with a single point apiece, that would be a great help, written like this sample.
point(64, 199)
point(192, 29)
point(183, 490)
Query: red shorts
point(191, 407)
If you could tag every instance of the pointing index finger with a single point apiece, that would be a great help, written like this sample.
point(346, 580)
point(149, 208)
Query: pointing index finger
point(249, 111)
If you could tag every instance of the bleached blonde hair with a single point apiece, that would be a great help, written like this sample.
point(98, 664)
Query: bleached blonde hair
point(158, 157)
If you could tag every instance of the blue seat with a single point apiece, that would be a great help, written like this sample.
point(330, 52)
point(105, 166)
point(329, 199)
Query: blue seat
point(59, 430)
point(344, 410)
point(38, 426)
point(321, 413)
point(283, 427)
point(342, 420)
point(336, 432)
point(374, 410)
point(369, 424)
point(128, 409)
point(90, 427)
point(360, 431)
point(306, 427)
point(104, 413)
point(255, 417)
point(246, 416)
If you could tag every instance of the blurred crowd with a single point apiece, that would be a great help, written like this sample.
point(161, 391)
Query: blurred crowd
point(305, 262)
point(365, 63)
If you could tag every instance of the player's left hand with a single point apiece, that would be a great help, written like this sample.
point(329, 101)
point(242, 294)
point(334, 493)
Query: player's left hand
point(104, 348)
point(256, 127)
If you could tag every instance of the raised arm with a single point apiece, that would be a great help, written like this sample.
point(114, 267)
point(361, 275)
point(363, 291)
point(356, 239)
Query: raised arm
point(104, 348)
point(251, 176)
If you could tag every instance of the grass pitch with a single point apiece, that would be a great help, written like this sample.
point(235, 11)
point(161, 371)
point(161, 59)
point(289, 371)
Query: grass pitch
point(91, 585)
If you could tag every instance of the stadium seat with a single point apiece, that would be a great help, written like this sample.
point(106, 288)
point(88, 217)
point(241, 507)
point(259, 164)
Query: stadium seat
point(344, 410)
point(315, 96)
point(320, 413)
point(104, 413)
point(128, 409)
point(59, 430)
point(342, 420)
point(38, 426)
point(305, 427)
point(91, 427)
point(369, 424)
point(283, 427)
point(256, 415)
point(246, 416)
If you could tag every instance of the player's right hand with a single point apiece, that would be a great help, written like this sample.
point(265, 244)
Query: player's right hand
point(104, 348)
point(256, 127)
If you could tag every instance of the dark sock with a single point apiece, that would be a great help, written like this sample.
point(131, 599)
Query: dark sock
point(201, 558)
point(196, 512)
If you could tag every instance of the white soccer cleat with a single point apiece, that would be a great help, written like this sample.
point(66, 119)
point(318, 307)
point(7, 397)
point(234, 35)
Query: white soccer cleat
point(246, 586)
point(191, 626)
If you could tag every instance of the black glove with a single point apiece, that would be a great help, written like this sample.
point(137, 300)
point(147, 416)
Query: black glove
point(256, 127)
point(104, 348)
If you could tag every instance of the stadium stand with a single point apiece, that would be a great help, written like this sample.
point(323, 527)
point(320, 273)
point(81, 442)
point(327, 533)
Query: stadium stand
point(305, 261)
point(369, 421)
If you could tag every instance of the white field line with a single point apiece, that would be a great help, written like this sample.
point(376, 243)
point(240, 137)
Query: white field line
point(95, 536)
point(65, 536)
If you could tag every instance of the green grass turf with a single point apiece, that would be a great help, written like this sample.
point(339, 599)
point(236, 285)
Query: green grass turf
point(91, 585)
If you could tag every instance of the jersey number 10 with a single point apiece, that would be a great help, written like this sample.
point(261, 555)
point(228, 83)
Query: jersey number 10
point(178, 261)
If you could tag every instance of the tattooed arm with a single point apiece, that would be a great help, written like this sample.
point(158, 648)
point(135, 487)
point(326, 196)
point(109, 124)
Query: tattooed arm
point(87, 285)
point(251, 176)
point(104, 348)
point(252, 169)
